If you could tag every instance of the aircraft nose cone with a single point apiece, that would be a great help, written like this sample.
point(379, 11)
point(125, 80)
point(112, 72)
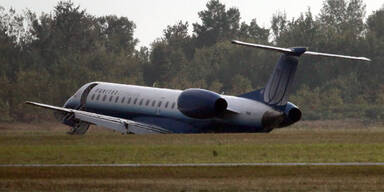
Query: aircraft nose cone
point(70, 103)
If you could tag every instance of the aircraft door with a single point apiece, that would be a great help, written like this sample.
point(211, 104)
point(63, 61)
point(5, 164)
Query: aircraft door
point(79, 127)
point(84, 96)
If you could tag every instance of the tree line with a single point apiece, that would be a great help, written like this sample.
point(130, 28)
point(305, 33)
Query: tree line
point(47, 57)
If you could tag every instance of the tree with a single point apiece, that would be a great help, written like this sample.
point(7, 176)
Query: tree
point(48, 57)
point(254, 32)
point(240, 85)
point(344, 17)
point(118, 33)
point(375, 23)
point(278, 25)
point(217, 24)
point(170, 54)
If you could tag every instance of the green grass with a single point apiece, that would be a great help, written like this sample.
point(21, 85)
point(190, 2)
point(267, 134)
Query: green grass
point(107, 153)
point(286, 178)
point(285, 145)
point(331, 142)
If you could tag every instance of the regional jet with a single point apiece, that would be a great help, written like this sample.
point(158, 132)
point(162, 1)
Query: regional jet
point(131, 109)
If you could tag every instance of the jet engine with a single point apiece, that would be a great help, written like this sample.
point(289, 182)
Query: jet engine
point(201, 103)
point(292, 115)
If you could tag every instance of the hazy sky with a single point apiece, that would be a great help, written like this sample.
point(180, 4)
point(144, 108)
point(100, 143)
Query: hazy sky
point(152, 16)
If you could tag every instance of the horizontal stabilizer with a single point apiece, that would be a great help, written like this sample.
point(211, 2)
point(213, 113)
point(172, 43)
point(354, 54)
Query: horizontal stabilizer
point(272, 48)
point(297, 51)
point(337, 56)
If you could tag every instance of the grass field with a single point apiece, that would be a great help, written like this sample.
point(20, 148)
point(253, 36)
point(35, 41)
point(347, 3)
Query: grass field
point(334, 141)
point(325, 178)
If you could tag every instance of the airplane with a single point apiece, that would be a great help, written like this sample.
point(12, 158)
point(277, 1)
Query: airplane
point(131, 109)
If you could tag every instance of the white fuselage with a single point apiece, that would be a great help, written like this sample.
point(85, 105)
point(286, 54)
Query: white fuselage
point(130, 101)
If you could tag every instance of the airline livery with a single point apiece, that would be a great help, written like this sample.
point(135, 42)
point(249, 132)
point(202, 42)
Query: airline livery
point(131, 109)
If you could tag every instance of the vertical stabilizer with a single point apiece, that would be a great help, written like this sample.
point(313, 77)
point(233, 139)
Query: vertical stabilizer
point(280, 82)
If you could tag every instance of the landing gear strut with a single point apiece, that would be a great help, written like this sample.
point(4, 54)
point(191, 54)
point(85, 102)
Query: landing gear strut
point(79, 128)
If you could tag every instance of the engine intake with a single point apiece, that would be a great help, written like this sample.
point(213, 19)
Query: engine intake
point(201, 103)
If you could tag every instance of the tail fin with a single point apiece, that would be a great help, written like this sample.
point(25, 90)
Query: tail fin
point(279, 84)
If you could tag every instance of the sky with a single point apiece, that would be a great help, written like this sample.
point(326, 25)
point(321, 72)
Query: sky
point(153, 16)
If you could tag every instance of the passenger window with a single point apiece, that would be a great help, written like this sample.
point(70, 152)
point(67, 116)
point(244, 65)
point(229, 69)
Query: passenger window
point(159, 104)
point(93, 96)
point(134, 102)
point(122, 101)
point(129, 101)
point(153, 103)
point(117, 99)
point(173, 105)
point(98, 97)
point(147, 102)
point(166, 104)
point(141, 102)
point(105, 97)
point(110, 99)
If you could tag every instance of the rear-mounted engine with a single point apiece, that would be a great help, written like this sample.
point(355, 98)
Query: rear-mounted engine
point(201, 103)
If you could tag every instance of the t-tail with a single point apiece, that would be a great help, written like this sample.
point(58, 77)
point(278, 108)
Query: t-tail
point(277, 90)
point(279, 85)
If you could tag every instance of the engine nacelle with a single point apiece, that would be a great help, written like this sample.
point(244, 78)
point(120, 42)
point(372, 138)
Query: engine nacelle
point(292, 115)
point(201, 103)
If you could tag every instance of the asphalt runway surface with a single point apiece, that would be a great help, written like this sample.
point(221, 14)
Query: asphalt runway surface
point(198, 164)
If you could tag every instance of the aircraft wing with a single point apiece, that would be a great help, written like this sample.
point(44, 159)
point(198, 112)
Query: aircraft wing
point(114, 123)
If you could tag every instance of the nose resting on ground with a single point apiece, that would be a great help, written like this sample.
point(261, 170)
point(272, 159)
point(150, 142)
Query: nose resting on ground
point(70, 103)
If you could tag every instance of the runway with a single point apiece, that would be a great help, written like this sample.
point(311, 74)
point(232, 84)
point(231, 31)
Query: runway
point(199, 164)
